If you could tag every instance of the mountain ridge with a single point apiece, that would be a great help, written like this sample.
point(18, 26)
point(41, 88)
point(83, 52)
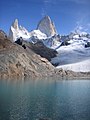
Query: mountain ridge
point(75, 43)
point(20, 62)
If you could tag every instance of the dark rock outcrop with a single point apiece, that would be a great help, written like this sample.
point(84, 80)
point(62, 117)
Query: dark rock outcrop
point(87, 44)
point(65, 43)
point(43, 51)
point(39, 48)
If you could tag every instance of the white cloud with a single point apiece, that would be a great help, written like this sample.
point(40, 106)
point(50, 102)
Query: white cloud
point(81, 27)
point(47, 1)
point(79, 1)
point(43, 13)
point(45, 7)
point(74, 1)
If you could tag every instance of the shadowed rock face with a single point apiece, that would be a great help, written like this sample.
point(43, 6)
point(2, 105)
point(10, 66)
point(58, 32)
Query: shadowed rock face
point(39, 48)
point(47, 26)
point(15, 61)
point(43, 51)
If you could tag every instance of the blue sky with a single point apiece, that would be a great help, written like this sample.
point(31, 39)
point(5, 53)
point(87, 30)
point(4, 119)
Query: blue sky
point(66, 14)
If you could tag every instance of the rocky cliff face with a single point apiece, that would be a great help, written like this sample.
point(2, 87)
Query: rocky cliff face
point(39, 48)
point(15, 61)
point(15, 24)
point(47, 26)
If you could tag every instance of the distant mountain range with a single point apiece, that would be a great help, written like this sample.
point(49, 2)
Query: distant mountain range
point(73, 49)
point(43, 52)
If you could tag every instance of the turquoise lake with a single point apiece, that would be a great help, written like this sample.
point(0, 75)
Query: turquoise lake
point(51, 99)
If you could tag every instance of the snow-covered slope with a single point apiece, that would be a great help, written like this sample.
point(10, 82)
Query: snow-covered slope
point(38, 34)
point(76, 56)
point(52, 40)
point(17, 32)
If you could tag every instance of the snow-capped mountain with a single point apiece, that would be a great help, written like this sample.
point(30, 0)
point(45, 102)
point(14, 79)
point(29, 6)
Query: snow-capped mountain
point(74, 53)
point(47, 26)
point(38, 34)
point(16, 32)
point(73, 49)
point(53, 41)
point(45, 32)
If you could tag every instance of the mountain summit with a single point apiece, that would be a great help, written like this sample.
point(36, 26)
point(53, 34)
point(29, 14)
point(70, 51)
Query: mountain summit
point(46, 26)
point(15, 24)
point(17, 31)
point(45, 30)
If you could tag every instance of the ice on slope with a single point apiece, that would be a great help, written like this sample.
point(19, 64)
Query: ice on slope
point(38, 34)
point(74, 57)
point(83, 66)
point(22, 32)
point(17, 31)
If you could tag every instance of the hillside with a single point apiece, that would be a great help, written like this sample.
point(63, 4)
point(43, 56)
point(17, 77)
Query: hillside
point(15, 61)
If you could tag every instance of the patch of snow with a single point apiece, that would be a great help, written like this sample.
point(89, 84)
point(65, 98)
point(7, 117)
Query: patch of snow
point(38, 34)
point(83, 66)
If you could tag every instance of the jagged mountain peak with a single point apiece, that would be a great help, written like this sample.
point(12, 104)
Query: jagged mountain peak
point(47, 17)
point(47, 26)
point(15, 24)
point(46, 32)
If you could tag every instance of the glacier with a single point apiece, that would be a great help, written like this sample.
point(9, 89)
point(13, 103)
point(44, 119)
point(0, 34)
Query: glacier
point(76, 56)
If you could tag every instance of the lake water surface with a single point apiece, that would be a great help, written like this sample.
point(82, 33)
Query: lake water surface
point(52, 99)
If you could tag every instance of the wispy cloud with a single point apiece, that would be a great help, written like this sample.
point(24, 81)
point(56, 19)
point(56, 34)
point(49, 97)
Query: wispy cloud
point(74, 1)
point(45, 7)
point(82, 27)
point(79, 1)
point(43, 13)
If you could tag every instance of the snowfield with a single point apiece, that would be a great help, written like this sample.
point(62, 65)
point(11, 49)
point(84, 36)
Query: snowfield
point(83, 66)
point(74, 57)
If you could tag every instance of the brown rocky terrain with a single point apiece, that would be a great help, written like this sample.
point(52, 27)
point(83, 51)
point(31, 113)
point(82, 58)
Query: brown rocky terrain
point(20, 62)
point(15, 61)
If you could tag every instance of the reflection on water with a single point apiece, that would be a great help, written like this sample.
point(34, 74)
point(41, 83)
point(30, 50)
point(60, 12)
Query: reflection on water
point(54, 99)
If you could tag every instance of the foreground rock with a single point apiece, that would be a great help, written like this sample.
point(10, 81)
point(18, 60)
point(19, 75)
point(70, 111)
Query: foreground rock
point(15, 61)
point(67, 74)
